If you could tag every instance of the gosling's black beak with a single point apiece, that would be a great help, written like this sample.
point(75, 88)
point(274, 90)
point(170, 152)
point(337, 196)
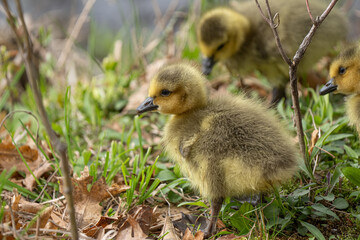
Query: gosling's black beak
point(147, 105)
point(207, 65)
point(328, 87)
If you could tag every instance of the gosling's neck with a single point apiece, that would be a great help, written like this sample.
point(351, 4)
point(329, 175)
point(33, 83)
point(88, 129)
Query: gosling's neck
point(353, 110)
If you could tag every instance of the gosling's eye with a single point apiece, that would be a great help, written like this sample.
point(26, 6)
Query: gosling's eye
point(165, 92)
point(342, 70)
point(220, 47)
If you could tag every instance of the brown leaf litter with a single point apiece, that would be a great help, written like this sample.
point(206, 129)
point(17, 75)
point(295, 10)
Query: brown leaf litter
point(86, 202)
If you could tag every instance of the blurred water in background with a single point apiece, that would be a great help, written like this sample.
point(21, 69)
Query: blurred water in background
point(109, 20)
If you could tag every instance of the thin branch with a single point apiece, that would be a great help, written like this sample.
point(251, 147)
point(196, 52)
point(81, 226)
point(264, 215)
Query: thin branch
point(270, 21)
point(308, 9)
point(293, 64)
point(33, 76)
point(307, 40)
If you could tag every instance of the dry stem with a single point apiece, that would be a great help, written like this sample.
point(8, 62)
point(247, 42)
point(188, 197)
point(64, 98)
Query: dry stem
point(26, 50)
point(293, 64)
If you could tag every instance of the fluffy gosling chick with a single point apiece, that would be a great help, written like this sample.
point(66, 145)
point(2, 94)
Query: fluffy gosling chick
point(345, 78)
point(226, 146)
point(244, 42)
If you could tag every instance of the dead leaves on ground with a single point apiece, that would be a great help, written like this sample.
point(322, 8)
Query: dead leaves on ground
point(30, 162)
point(86, 201)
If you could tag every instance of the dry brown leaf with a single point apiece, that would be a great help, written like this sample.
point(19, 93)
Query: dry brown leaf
point(29, 181)
point(9, 157)
point(144, 216)
point(21, 208)
point(314, 138)
point(2, 116)
point(130, 230)
point(231, 237)
point(58, 220)
point(87, 207)
point(188, 235)
point(169, 229)
point(91, 231)
point(199, 235)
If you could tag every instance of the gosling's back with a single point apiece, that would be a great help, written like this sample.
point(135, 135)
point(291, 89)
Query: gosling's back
point(231, 147)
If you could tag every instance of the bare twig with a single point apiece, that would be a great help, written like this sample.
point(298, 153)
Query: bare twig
point(26, 51)
point(293, 64)
point(308, 9)
point(270, 21)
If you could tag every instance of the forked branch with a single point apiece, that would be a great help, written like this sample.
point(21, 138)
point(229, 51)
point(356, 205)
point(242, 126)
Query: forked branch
point(293, 64)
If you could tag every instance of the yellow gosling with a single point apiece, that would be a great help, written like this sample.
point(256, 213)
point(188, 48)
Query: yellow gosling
point(227, 146)
point(345, 78)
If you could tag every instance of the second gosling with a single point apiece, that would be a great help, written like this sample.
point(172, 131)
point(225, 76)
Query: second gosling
point(244, 42)
point(227, 146)
point(345, 78)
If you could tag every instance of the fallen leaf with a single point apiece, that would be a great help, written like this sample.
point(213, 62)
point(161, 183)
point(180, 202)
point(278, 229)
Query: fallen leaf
point(130, 230)
point(199, 235)
point(22, 209)
point(2, 116)
point(9, 157)
point(92, 230)
point(86, 202)
point(188, 235)
point(169, 230)
point(231, 237)
point(29, 181)
point(144, 216)
point(314, 138)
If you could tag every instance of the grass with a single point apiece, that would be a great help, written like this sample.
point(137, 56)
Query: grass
point(324, 194)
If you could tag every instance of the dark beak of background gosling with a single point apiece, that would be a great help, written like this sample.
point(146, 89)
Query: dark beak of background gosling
point(147, 105)
point(328, 88)
point(207, 65)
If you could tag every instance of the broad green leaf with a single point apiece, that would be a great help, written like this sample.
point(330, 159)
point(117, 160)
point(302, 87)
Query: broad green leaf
point(197, 203)
point(299, 192)
point(355, 194)
point(314, 230)
point(340, 203)
point(353, 174)
point(335, 137)
point(241, 220)
point(330, 197)
point(350, 152)
point(166, 175)
point(321, 208)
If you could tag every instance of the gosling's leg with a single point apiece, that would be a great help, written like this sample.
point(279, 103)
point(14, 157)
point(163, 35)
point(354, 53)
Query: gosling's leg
point(215, 209)
point(277, 94)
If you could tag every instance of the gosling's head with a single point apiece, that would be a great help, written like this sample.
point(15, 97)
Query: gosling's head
point(221, 33)
point(344, 73)
point(176, 89)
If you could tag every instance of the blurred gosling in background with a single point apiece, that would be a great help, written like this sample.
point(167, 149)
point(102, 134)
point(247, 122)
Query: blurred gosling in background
point(244, 42)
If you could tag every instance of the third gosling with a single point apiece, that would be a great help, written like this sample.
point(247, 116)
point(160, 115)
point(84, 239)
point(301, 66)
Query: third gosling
point(345, 78)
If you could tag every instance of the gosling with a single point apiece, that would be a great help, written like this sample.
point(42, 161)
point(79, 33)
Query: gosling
point(345, 78)
point(244, 42)
point(227, 146)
